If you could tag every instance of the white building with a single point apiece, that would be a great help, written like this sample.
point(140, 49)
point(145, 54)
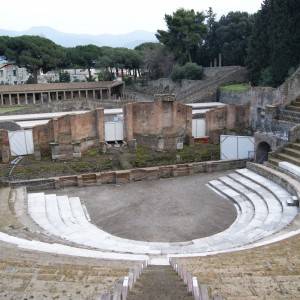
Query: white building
point(76, 75)
point(12, 74)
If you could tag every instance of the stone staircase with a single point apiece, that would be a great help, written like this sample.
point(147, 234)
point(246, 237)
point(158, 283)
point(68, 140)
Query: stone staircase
point(206, 91)
point(294, 106)
point(159, 283)
point(291, 113)
point(289, 153)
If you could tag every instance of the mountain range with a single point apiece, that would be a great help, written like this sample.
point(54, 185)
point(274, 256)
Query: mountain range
point(128, 40)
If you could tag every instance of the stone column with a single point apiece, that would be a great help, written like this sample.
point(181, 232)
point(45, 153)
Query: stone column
point(100, 127)
point(10, 102)
point(72, 95)
point(101, 94)
point(33, 98)
point(86, 94)
point(4, 146)
point(2, 99)
point(220, 60)
point(94, 94)
point(18, 98)
point(55, 130)
point(109, 93)
point(49, 97)
point(65, 98)
point(42, 98)
point(26, 98)
point(56, 96)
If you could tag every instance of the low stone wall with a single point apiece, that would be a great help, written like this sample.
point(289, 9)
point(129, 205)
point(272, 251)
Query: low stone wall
point(132, 175)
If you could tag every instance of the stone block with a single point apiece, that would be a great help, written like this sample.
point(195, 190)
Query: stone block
point(166, 171)
point(122, 177)
point(89, 179)
point(108, 177)
point(132, 145)
point(182, 170)
point(66, 181)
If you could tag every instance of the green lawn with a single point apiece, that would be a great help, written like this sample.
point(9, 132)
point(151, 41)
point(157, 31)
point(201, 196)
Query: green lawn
point(8, 109)
point(239, 88)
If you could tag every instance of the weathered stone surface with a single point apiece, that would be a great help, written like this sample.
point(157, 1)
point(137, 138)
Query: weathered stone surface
point(161, 125)
point(4, 146)
point(69, 136)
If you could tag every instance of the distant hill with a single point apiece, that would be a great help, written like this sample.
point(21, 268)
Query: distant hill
point(128, 40)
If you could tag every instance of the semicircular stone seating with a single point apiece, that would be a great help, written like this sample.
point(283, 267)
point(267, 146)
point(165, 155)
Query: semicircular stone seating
point(263, 208)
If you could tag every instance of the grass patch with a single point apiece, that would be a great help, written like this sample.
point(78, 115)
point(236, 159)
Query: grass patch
point(4, 110)
point(238, 88)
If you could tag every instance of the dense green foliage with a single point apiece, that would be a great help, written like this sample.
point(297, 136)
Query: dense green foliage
point(33, 53)
point(230, 37)
point(185, 34)
point(274, 48)
point(268, 43)
point(190, 71)
point(157, 61)
point(64, 77)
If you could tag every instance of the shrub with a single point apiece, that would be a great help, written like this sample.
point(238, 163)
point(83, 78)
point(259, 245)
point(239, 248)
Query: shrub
point(190, 71)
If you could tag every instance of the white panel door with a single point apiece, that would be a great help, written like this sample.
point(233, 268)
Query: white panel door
point(228, 147)
point(119, 131)
point(245, 147)
point(236, 147)
point(198, 128)
point(114, 131)
point(21, 142)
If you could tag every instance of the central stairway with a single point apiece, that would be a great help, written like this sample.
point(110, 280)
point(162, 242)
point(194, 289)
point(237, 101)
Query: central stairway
point(159, 283)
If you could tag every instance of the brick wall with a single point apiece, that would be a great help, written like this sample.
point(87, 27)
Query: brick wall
point(4, 146)
point(229, 117)
point(61, 134)
point(161, 124)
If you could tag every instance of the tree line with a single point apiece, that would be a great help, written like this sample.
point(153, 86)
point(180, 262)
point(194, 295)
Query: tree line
point(37, 53)
point(268, 43)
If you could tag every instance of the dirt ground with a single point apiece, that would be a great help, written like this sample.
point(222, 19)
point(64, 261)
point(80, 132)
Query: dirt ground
point(114, 159)
point(166, 210)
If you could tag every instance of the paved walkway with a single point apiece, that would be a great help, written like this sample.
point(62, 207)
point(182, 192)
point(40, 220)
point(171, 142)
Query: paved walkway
point(167, 210)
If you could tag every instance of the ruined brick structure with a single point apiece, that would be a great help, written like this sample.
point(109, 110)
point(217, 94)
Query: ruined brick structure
point(4, 146)
point(229, 117)
point(69, 136)
point(161, 125)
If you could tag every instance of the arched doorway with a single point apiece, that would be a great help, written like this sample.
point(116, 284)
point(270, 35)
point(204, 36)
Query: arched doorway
point(262, 152)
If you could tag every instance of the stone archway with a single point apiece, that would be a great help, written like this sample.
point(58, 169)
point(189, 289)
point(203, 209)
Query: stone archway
point(262, 152)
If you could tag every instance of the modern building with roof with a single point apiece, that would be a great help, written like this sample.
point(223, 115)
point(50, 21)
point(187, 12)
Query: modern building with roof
point(12, 74)
point(46, 93)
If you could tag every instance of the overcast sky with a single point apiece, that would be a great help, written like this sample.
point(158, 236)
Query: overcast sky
point(108, 16)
